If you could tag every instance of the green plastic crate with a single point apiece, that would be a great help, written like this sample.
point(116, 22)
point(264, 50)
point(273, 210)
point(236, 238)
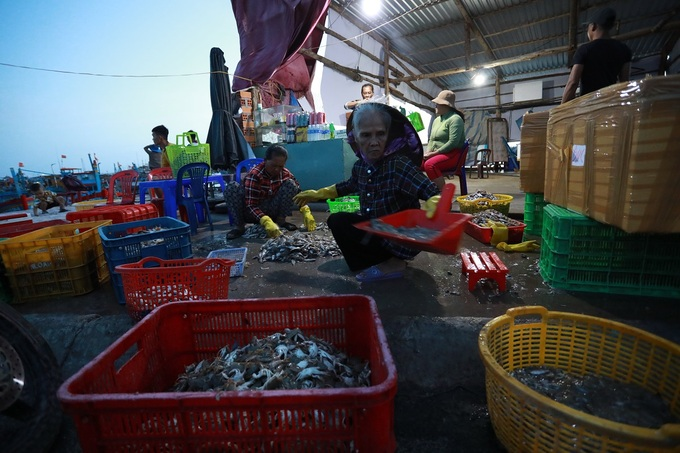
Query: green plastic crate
point(533, 213)
point(349, 203)
point(581, 254)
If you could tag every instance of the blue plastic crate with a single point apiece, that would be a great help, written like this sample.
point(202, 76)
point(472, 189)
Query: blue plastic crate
point(129, 242)
point(238, 254)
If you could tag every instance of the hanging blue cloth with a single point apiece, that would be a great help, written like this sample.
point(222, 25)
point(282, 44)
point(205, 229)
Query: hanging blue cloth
point(293, 99)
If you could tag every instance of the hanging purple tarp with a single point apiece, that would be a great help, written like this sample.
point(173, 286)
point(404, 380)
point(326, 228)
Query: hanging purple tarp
point(271, 33)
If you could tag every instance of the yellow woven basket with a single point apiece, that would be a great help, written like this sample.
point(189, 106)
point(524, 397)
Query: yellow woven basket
point(501, 205)
point(526, 421)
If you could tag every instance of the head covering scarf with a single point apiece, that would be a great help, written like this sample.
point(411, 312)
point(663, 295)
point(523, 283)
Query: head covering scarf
point(402, 137)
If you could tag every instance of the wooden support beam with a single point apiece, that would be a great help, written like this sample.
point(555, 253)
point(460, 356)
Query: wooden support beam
point(492, 64)
point(350, 73)
point(386, 66)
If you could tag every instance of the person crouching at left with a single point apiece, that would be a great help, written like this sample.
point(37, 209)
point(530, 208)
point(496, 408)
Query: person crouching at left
point(46, 199)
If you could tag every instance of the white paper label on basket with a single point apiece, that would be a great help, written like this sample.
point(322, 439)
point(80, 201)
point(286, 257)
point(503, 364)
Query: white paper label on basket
point(578, 155)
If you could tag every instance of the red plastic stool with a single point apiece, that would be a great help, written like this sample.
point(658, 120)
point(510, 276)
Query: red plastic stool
point(483, 265)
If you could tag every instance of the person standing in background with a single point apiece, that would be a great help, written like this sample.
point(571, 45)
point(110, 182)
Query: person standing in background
point(155, 156)
point(447, 138)
point(366, 95)
point(159, 134)
point(600, 62)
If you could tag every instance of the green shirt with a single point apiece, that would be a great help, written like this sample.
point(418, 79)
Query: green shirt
point(448, 133)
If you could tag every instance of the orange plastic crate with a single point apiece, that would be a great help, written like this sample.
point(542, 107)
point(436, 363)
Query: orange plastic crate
point(117, 214)
point(120, 401)
point(152, 282)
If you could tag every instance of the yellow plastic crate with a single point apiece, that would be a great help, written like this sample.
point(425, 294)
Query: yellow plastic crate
point(61, 259)
point(501, 205)
point(526, 421)
point(89, 204)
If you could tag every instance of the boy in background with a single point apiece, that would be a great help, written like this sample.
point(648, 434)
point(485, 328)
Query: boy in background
point(46, 199)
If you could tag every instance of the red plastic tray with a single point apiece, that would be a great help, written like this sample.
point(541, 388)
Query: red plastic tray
point(120, 400)
point(484, 234)
point(117, 214)
point(449, 224)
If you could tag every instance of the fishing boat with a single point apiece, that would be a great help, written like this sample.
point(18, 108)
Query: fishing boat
point(75, 184)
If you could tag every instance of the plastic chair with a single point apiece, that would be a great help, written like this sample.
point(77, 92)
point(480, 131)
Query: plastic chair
point(460, 169)
point(188, 197)
point(245, 165)
point(481, 163)
point(127, 187)
point(156, 195)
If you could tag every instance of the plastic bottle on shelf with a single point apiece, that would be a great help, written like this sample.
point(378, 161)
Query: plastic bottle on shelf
point(326, 132)
point(331, 130)
point(258, 116)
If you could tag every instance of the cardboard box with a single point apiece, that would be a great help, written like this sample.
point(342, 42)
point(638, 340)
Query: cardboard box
point(532, 140)
point(612, 155)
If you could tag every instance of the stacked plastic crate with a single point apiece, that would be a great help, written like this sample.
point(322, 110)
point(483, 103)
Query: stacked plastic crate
point(126, 243)
point(532, 172)
point(581, 254)
point(58, 260)
point(247, 119)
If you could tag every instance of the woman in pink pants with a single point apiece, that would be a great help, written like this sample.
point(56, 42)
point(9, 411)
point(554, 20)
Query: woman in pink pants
point(447, 138)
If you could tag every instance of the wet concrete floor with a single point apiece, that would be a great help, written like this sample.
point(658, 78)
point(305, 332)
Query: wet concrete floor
point(431, 319)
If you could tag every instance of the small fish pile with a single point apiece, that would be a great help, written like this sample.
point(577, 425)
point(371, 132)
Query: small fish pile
point(481, 218)
point(480, 194)
point(298, 247)
point(286, 360)
point(418, 233)
point(598, 395)
point(258, 231)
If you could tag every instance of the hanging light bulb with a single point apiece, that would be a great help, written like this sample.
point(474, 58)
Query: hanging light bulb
point(479, 79)
point(371, 8)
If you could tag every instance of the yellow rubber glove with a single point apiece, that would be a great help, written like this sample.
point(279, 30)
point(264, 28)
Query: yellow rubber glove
point(431, 206)
point(270, 227)
point(309, 221)
point(527, 246)
point(500, 232)
point(306, 196)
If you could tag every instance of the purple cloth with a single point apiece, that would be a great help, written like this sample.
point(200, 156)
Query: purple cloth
point(271, 35)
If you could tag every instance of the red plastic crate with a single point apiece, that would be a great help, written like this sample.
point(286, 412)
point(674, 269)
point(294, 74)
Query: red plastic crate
point(117, 214)
point(15, 218)
point(120, 401)
point(13, 229)
point(484, 234)
point(152, 282)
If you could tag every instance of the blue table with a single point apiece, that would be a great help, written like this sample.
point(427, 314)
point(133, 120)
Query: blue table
point(168, 187)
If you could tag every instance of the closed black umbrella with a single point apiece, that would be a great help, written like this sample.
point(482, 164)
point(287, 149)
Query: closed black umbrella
point(228, 146)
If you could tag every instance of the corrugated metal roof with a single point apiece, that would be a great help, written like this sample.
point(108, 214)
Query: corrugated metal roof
point(525, 38)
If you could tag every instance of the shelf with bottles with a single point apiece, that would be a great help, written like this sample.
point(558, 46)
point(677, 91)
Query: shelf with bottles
point(275, 115)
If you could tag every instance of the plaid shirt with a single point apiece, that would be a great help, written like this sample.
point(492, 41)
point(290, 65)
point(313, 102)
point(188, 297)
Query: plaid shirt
point(391, 185)
point(259, 186)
